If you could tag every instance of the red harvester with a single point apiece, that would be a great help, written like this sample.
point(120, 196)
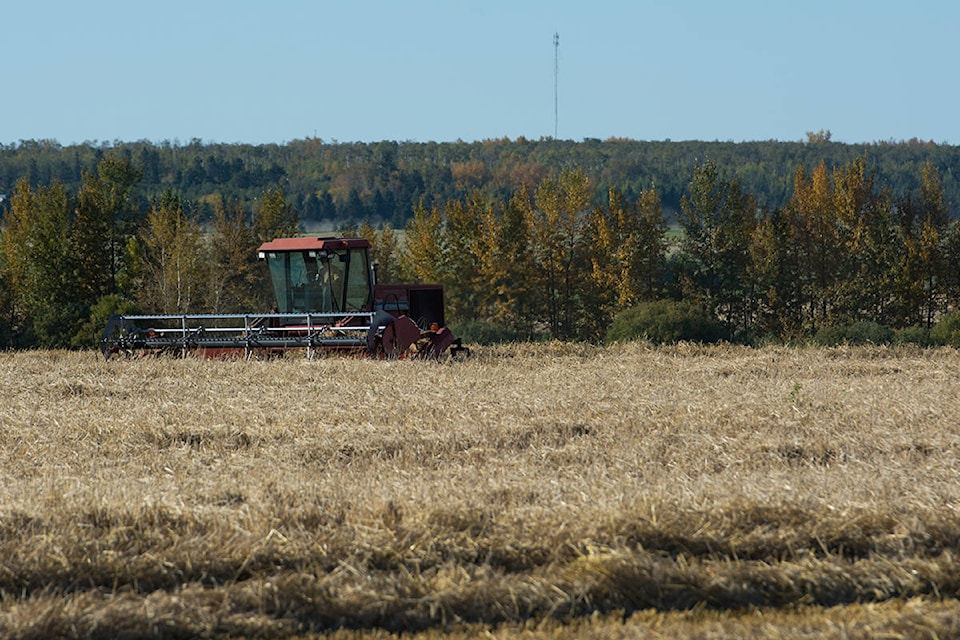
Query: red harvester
point(327, 300)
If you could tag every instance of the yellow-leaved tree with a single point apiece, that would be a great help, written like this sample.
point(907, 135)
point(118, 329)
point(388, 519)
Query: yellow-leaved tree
point(628, 245)
point(425, 247)
point(273, 217)
point(237, 282)
point(557, 225)
point(172, 261)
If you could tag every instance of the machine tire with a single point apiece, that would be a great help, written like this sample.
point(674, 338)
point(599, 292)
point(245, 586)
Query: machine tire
point(380, 319)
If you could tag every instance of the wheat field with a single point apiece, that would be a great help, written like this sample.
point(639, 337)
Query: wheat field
point(539, 491)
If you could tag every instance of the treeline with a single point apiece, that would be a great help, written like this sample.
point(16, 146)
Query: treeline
point(543, 261)
point(844, 248)
point(334, 183)
point(68, 260)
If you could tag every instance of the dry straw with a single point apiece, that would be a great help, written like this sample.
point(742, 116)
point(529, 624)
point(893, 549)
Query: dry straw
point(549, 490)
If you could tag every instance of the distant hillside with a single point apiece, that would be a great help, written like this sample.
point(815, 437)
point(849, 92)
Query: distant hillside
point(333, 182)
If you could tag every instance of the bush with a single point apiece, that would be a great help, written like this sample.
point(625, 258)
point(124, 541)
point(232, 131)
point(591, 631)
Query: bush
point(917, 335)
point(858, 333)
point(947, 330)
point(484, 332)
point(53, 323)
point(89, 332)
point(665, 321)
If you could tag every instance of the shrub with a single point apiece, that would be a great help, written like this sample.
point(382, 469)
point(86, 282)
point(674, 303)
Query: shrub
point(53, 325)
point(917, 335)
point(665, 321)
point(484, 332)
point(857, 333)
point(947, 330)
point(90, 331)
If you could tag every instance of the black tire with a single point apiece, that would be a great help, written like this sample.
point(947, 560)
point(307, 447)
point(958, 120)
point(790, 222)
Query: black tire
point(380, 319)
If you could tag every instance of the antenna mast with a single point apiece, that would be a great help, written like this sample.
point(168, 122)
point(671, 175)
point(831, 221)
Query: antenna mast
point(556, 79)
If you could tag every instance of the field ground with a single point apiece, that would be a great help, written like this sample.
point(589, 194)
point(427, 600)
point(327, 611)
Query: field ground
point(535, 491)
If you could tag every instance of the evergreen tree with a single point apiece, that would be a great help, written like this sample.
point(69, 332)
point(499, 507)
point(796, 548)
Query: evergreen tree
point(719, 219)
point(327, 210)
point(775, 272)
point(94, 238)
point(39, 266)
point(951, 266)
point(921, 276)
point(108, 205)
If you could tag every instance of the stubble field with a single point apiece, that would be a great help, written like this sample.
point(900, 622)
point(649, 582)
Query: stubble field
point(541, 491)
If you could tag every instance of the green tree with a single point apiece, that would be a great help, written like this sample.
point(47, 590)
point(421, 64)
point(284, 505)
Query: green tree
point(776, 275)
point(951, 255)
point(922, 277)
point(107, 216)
point(718, 219)
point(40, 264)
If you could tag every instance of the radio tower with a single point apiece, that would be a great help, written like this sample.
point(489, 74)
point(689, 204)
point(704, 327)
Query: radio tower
point(556, 80)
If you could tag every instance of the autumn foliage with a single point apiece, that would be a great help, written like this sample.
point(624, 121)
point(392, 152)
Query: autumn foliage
point(555, 260)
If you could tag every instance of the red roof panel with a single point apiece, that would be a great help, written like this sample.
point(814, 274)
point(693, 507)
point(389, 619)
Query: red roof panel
point(314, 244)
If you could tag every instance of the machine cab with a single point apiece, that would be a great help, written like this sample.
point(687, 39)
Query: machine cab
point(319, 275)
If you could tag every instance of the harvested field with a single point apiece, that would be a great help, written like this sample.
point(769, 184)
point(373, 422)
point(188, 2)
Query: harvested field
point(535, 490)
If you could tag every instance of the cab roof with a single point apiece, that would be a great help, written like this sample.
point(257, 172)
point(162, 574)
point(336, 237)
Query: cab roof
point(313, 244)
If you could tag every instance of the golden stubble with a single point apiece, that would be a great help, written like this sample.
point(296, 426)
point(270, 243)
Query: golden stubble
point(568, 462)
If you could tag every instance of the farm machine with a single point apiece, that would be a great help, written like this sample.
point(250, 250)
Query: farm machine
point(327, 301)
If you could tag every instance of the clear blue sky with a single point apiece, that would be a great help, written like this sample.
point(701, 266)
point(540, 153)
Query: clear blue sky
point(427, 70)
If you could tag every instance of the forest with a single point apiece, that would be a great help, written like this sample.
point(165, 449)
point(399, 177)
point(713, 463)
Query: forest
point(331, 183)
point(773, 241)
